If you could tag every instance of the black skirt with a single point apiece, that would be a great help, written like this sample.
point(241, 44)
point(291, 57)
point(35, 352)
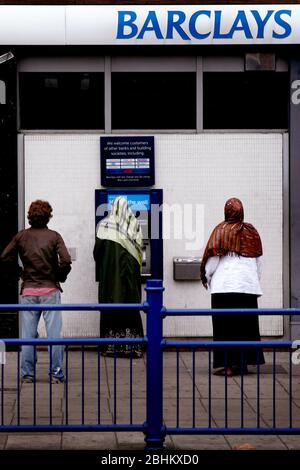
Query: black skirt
point(235, 328)
point(119, 278)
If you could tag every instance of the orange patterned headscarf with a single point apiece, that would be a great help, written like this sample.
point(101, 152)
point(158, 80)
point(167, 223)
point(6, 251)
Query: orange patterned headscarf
point(233, 234)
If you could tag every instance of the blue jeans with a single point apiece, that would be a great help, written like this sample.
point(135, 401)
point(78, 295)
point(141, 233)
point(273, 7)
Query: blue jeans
point(53, 323)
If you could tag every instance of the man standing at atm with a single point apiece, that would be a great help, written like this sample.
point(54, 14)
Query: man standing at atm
point(46, 263)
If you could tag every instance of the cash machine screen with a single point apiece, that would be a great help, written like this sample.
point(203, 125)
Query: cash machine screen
point(136, 202)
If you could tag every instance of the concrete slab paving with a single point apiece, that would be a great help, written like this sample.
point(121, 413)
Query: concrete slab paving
point(282, 411)
point(39, 420)
point(3, 439)
point(259, 442)
point(291, 442)
point(218, 390)
point(130, 440)
point(89, 441)
point(49, 441)
point(200, 442)
point(185, 413)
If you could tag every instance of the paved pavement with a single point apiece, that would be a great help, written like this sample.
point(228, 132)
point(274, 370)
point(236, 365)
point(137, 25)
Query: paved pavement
point(121, 403)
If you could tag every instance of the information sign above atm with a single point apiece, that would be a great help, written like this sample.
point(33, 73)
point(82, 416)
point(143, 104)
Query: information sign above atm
point(127, 161)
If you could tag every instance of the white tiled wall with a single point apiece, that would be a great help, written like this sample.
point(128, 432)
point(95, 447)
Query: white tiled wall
point(203, 169)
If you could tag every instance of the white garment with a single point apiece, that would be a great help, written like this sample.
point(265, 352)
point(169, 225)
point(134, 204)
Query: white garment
point(233, 273)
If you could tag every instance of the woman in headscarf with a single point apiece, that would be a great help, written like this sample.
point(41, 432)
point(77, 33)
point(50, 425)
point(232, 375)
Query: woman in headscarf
point(231, 267)
point(118, 256)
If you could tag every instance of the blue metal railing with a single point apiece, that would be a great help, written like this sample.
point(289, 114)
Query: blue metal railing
point(82, 343)
point(50, 426)
point(155, 425)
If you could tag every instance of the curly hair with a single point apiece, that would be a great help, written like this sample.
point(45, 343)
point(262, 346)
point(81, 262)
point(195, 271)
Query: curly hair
point(39, 214)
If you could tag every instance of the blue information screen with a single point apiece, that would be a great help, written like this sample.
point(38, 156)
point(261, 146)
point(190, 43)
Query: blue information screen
point(127, 161)
point(136, 202)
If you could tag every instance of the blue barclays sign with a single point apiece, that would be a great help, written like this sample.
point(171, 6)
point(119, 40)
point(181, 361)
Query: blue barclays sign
point(205, 24)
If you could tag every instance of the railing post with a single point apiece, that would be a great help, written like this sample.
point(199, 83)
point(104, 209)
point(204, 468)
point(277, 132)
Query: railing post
point(154, 435)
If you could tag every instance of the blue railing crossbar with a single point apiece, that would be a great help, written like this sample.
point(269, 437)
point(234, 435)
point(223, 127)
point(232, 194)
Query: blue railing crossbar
point(69, 307)
point(226, 344)
point(73, 341)
point(73, 427)
point(231, 430)
point(166, 312)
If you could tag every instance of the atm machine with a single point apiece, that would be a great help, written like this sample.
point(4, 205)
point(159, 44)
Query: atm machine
point(127, 169)
point(146, 205)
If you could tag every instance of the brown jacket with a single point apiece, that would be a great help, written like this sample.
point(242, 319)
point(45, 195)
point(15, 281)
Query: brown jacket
point(45, 258)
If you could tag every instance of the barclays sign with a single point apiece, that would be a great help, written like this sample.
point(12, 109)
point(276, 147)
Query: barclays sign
point(184, 24)
point(205, 24)
point(149, 24)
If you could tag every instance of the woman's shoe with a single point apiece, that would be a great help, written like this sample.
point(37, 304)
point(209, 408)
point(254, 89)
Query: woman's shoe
point(27, 379)
point(224, 371)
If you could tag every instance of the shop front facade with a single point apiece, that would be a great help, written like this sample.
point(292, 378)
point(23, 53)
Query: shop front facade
point(216, 86)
